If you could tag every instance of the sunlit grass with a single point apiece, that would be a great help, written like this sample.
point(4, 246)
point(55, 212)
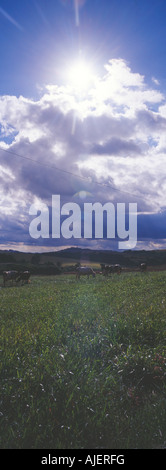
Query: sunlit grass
point(84, 362)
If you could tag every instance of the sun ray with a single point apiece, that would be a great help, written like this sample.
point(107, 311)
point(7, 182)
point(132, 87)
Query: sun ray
point(9, 18)
point(77, 19)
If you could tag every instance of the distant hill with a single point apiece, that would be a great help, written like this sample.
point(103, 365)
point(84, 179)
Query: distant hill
point(54, 261)
point(127, 258)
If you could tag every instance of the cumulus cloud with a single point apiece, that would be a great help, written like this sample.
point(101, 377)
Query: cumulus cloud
point(113, 134)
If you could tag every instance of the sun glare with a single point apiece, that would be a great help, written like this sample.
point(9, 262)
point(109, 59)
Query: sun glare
point(80, 75)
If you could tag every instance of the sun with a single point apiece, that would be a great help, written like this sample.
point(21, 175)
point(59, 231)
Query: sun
point(80, 75)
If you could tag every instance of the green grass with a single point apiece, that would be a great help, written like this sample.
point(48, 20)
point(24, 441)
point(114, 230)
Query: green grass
point(84, 362)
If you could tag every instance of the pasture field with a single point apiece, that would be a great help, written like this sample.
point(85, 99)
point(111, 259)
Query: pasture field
point(84, 362)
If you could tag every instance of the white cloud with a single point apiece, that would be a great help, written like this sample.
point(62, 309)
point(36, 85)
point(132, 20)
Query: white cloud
point(156, 81)
point(114, 134)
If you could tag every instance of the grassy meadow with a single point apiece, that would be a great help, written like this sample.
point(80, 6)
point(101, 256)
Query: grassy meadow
point(84, 362)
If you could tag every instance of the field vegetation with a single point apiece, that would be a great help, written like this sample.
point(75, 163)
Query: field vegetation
point(84, 362)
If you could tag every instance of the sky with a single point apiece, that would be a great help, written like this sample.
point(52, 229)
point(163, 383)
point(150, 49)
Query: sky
point(82, 114)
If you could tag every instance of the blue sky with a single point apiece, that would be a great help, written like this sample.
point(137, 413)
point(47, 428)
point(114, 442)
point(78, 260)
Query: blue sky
point(36, 50)
point(111, 130)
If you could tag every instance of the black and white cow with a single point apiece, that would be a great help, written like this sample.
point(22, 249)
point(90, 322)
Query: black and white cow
point(143, 267)
point(84, 271)
point(111, 269)
point(9, 276)
point(24, 277)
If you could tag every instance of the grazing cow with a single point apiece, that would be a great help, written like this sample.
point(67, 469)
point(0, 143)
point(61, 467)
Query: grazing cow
point(84, 270)
point(143, 267)
point(9, 276)
point(111, 269)
point(24, 277)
